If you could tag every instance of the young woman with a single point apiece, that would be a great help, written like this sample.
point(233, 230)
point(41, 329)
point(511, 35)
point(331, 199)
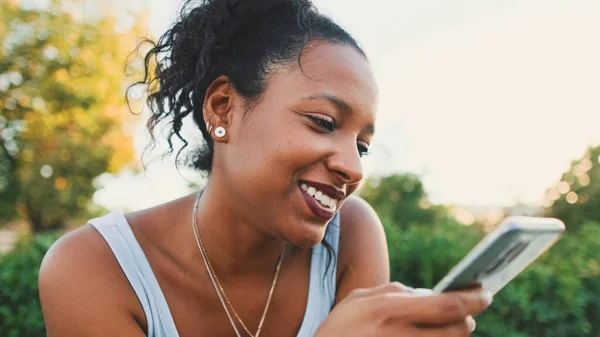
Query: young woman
point(274, 245)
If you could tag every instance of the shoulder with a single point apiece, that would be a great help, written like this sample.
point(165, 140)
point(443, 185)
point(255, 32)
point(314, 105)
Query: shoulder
point(363, 255)
point(355, 211)
point(80, 253)
point(81, 281)
point(359, 226)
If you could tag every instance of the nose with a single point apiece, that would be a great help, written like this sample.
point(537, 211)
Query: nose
point(345, 163)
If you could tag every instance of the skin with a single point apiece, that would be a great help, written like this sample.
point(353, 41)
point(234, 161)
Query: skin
point(251, 210)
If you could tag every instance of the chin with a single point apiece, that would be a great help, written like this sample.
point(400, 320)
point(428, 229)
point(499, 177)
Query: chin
point(306, 235)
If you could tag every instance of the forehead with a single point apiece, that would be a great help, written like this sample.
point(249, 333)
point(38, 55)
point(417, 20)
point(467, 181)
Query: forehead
point(335, 69)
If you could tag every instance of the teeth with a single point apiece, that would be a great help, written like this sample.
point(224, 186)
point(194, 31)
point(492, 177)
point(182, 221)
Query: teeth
point(319, 195)
point(323, 199)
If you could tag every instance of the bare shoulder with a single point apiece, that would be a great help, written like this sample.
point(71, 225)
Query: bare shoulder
point(360, 227)
point(356, 210)
point(83, 290)
point(363, 254)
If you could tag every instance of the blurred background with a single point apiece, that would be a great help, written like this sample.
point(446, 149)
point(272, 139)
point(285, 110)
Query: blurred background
point(488, 108)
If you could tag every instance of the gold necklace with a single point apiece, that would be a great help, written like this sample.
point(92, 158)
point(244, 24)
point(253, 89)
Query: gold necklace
point(219, 288)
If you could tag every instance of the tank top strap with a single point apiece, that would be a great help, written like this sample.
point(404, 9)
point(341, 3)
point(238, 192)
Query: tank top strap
point(130, 256)
point(322, 286)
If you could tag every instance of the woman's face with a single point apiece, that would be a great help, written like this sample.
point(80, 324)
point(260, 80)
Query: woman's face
point(292, 160)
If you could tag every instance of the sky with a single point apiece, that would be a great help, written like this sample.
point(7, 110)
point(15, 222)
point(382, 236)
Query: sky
point(487, 100)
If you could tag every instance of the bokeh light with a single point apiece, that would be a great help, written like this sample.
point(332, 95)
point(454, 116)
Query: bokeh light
point(46, 171)
point(572, 197)
point(563, 187)
point(584, 180)
point(553, 194)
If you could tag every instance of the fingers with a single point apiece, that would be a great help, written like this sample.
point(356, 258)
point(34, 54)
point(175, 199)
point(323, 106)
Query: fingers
point(422, 291)
point(393, 287)
point(460, 329)
point(449, 307)
point(442, 309)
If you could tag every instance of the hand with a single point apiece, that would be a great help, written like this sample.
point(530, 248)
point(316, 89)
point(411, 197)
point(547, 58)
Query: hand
point(424, 291)
point(399, 311)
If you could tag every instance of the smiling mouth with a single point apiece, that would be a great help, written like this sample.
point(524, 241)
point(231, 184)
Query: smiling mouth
point(325, 202)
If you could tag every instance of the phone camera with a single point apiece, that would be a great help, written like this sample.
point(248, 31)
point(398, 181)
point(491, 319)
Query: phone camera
point(506, 258)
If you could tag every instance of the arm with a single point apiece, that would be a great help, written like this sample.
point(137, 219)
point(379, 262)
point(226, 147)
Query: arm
point(363, 260)
point(83, 291)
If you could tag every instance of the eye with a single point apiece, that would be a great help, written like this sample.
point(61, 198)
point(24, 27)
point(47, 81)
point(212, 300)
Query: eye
point(324, 123)
point(362, 150)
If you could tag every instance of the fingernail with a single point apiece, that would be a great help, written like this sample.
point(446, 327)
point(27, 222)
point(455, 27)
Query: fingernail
point(488, 297)
point(422, 291)
point(472, 323)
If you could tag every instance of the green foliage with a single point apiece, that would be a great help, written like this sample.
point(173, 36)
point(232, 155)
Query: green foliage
point(20, 311)
point(401, 200)
point(576, 198)
point(62, 109)
point(421, 256)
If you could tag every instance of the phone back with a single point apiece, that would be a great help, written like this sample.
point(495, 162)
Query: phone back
point(503, 254)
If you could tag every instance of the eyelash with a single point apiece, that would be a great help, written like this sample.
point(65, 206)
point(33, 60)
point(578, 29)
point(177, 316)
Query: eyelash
point(330, 126)
point(323, 123)
point(362, 150)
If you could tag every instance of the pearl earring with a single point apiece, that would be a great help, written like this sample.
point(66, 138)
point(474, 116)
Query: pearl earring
point(220, 131)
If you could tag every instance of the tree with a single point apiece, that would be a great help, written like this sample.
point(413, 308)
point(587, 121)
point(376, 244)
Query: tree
point(62, 109)
point(576, 198)
point(401, 200)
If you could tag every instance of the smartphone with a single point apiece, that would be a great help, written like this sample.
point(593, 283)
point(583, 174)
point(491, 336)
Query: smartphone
point(503, 254)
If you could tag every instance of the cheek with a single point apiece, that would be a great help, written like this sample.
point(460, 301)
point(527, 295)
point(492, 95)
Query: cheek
point(351, 189)
point(260, 152)
point(271, 151)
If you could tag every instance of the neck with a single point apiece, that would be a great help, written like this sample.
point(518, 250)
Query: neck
point(232, 242)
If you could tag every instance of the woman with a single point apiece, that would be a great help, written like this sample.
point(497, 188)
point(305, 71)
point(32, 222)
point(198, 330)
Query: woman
point(274, 245)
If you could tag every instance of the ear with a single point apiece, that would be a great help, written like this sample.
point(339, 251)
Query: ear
point(218, 106)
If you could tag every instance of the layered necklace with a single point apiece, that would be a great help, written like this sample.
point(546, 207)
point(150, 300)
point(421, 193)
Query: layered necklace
point(219, 288)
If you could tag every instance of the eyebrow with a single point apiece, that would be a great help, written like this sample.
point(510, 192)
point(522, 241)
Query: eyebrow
point(340, 104)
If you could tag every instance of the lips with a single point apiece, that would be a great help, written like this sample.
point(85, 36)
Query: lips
point(321, 199)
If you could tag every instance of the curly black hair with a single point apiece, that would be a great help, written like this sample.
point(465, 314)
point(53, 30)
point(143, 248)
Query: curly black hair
point(240, 39)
